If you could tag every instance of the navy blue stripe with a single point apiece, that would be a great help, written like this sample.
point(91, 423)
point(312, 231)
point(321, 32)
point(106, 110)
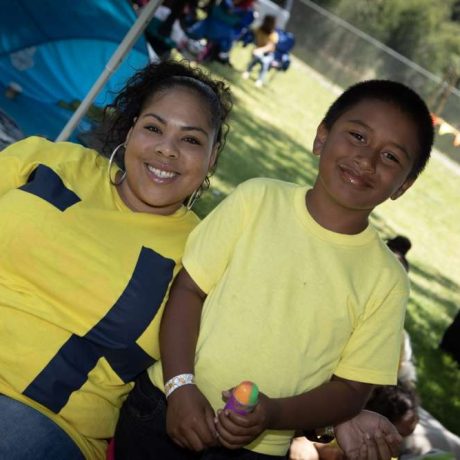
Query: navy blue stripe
point(67, 371)
point(138, 303)
point(113, 337)
point(46, 184)
point(129, 362)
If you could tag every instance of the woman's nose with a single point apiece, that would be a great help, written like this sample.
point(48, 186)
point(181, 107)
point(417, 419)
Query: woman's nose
point(168, 148)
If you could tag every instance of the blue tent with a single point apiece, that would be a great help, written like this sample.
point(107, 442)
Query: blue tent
point(52, 52)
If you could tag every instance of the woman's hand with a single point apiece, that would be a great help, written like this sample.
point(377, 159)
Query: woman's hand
point(235, 431)
point(190, 419)
point(368, 436)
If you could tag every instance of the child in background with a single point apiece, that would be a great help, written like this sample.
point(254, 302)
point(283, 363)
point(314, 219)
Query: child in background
point(398, 403)
point(226, 20)
point(275, 290)
point(265, 39)
point(407, 373)
point(400, 246)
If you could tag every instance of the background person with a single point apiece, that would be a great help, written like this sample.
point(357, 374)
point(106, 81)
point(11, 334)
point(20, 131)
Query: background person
point(226, 21)
point(265, 40)
point(426, 434)
point(397, 403)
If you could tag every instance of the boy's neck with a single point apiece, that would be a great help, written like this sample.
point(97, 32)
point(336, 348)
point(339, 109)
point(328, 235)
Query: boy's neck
point(334, 217)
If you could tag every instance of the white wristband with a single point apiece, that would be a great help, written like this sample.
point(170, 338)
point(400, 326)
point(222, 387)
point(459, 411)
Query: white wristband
point(178, 381)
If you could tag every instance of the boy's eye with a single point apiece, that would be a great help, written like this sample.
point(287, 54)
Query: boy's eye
point(192, 140)
point(357, 136)
point(391, 157)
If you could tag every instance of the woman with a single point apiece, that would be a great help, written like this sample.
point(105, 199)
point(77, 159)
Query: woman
point(89, 249)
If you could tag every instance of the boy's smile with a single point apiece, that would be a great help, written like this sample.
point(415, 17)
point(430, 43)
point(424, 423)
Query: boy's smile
point(366, 157)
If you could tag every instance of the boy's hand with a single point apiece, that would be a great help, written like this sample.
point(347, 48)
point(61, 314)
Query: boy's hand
point(190, 419)
point(368, 436)
point(235, 431)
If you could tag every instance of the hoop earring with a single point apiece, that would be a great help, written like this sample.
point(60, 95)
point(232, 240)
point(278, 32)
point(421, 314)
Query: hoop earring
point(111, 159)
point(193, 198)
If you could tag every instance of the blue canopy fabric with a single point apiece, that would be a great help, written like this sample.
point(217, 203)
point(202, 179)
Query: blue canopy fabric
point(52, 52)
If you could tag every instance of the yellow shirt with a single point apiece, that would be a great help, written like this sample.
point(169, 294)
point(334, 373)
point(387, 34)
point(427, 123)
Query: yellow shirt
point(261, 38)
point(82, 282)
point(290, 303)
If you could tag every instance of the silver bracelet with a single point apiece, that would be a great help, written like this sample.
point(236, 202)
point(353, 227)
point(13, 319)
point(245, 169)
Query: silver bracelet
point(178, 381)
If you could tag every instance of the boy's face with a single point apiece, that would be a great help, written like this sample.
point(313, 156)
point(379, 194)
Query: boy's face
point(366, 156)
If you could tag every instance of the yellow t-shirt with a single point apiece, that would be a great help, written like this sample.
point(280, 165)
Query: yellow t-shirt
point(261, 38)
point(82, 282)
point(290, 303)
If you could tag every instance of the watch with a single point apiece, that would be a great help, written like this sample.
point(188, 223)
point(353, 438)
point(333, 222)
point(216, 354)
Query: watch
point(323, 435)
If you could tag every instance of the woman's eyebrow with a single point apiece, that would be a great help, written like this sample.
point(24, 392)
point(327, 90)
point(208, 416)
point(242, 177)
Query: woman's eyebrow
point(183, 128)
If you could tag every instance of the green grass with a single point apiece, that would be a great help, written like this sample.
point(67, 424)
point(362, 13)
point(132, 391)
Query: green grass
point(272, 131)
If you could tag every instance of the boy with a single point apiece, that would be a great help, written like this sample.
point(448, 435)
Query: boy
point(293, 289)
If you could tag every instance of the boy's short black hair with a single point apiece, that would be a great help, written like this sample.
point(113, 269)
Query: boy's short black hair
point(403, 97)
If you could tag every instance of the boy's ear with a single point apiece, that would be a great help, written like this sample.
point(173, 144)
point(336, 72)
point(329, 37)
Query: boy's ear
point(401, 190)
point(320, 139)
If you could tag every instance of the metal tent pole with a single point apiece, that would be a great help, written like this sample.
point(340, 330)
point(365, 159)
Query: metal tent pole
point(116, 59)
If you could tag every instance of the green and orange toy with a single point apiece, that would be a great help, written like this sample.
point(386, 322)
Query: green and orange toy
point(243, 398)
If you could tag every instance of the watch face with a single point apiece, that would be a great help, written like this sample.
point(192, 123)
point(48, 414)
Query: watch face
point(322, 435)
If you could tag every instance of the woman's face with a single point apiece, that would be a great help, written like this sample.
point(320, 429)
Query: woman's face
point(169, 151)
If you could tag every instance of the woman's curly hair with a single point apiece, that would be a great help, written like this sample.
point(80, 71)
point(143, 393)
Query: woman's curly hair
point(119, 116)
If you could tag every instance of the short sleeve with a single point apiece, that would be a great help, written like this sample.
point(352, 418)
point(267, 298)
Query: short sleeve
point(18, 160)
point(372, 354)
point(211, 244)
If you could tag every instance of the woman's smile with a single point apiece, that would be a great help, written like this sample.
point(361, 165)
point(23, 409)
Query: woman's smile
point(169, 151)
point(161, 175)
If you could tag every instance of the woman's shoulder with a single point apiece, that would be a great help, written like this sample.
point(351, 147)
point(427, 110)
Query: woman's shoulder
point(49, 151)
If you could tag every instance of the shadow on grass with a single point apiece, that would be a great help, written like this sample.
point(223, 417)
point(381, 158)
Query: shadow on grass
point(446, 285)
point(438, 375)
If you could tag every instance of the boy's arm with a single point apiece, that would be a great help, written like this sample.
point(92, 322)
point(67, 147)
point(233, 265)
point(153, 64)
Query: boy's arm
point(329, 404)
point(190, 417)
point(180, 326)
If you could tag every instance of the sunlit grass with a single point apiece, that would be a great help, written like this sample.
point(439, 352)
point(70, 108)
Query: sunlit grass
point(271, 136)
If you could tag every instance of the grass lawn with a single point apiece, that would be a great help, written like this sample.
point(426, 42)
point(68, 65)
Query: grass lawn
point(271, 135)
